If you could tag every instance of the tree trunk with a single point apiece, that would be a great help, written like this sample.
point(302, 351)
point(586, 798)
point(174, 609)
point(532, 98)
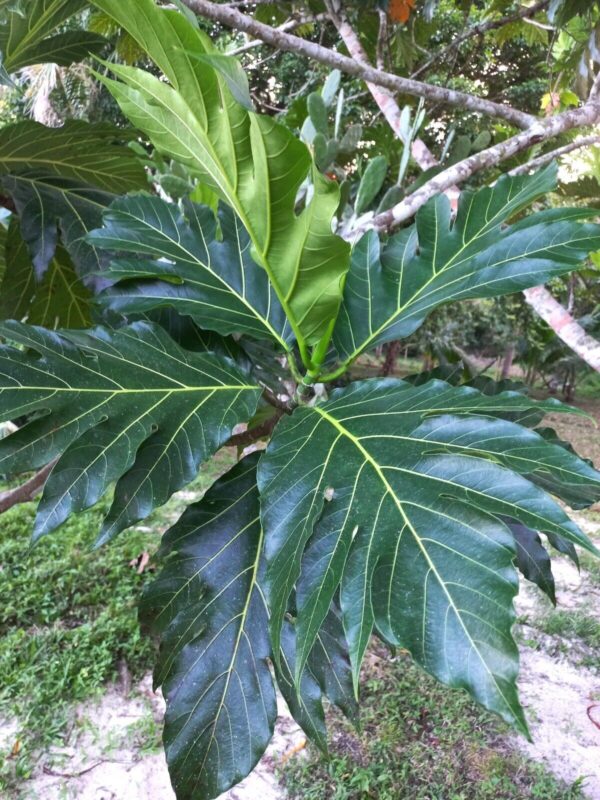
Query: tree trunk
point(391, 354)
point(507, 363)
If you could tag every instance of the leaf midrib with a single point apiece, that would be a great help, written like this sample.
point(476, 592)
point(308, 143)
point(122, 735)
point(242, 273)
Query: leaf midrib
point(193, 260)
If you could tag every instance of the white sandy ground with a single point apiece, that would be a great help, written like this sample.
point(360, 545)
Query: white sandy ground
point(89, 770)
point(104, 760)
point(557, 693)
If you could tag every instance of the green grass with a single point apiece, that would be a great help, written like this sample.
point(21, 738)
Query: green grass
point(591, 564)
point(572, 624)
point(419, 741)
point(569, 624)
point(68, 619)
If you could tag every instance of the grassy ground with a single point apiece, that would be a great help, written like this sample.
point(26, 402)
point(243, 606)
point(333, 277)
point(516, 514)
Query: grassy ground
point(419, 741)
point(68, 621)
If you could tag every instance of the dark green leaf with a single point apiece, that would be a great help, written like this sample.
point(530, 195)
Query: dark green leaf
point(207, 606)
point(127, 406)
point(329, 664)
point(400, 491)
point(28, 36)
point(304, 702)
point(533, 560)
point(328, 672)
point(64, 178)
point(59, 299)
point(180, 263)
point(391, 289)
point(189, 336)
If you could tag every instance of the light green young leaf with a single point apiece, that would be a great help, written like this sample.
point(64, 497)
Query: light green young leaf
point(371, 183)
point(317, 111)
point(331, 86)
point(232, 73)
point(253, 164)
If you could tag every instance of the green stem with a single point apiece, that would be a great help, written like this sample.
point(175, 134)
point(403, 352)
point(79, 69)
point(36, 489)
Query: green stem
point(332, 376)
point(303, 389)
point(318, 354)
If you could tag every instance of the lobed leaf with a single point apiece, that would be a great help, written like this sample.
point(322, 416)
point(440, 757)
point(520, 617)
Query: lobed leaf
point(213, 665)
point(208, 607)
point(59, 299)
point(178, 262)
point(395, 496)
point(392, 288)
point(61, 179)
point(128, 406)
point(533, 560)
point(28, 35)
point(253, 164)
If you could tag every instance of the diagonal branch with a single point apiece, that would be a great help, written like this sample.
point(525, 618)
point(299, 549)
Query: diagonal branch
point(290, 25)
point(546, 158)
point(281, 40)
point(26, 491)
point(384, 100)
point(541, 131)
point(564, 326)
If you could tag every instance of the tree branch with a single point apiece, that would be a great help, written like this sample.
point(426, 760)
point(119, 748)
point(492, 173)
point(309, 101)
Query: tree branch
point(480, 30)
point(26, 491)
point(290, 25)
point(546, 158)
point(564, 326)
point(384, 100)
point(382, 40)
point(541, 131)
point(285, 41)
point(254, 434)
